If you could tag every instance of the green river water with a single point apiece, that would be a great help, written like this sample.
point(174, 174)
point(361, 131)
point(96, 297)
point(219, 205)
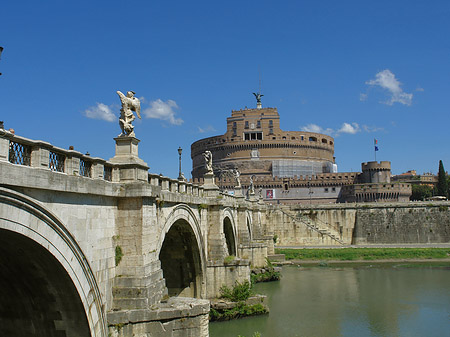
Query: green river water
point(386, 300)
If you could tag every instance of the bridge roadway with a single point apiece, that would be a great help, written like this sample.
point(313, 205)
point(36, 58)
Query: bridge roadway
point(91, 247)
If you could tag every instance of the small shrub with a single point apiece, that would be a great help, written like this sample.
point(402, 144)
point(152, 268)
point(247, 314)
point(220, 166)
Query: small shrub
point(269, 275)
point(240, 310)
point(229, 259)
point(239, 292)
point(119, 255)
point(202, 206)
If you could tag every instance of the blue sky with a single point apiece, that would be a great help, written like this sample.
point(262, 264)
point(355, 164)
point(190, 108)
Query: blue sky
point(356, 70)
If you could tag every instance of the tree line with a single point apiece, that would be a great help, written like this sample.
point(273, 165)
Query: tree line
point(442, 188)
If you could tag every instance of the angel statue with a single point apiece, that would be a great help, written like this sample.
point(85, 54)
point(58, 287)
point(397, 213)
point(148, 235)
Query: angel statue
point(129, 104)
point(237, 176)
point(258, 97)
point(208, 161)
point(251, 188)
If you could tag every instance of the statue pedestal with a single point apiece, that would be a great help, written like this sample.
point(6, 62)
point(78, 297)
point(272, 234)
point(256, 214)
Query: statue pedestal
point(209, 185)
point(238, 192)
point(131, 167)
point(252, 196)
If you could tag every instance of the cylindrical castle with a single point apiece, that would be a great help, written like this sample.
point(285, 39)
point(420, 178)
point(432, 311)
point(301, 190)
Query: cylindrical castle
point(255, 145)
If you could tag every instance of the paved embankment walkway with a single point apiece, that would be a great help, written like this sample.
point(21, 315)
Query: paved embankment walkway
point(409, 245)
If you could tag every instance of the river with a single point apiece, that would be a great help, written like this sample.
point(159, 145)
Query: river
point(378, 300)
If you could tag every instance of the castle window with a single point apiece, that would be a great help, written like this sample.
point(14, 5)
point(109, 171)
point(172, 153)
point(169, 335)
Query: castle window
point(253, 136)
point(234, 129)
point(324, 140)
point(326, 189)
point(293, 138)
point(246, 124)
point(258, 124)
point(284, 137)
point(312, 139)
point(302, 137)
point(270, 123)
point(270, 131)
point(333, 189)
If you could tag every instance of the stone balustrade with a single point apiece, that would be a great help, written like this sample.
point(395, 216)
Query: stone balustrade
point(39, 154)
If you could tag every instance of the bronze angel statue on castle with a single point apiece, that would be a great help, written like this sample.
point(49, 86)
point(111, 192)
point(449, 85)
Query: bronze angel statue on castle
point(129, 104)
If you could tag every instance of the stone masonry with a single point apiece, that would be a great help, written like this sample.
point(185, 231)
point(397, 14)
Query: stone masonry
point(142, 252)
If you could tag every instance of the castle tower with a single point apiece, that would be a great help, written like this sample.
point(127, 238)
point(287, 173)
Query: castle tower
point(374, 172)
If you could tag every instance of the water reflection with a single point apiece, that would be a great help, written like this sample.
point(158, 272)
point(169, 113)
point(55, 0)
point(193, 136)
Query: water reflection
point(365, 301)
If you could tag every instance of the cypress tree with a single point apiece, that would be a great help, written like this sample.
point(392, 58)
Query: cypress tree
point(442, 186)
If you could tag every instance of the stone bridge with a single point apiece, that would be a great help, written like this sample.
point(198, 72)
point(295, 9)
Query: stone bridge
point(94, 247)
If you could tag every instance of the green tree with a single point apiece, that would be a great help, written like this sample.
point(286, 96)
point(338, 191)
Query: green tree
point(421, 192)
point(442, 185)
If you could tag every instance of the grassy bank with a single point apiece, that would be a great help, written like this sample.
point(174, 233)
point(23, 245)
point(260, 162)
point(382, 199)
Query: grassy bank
point(350, 254)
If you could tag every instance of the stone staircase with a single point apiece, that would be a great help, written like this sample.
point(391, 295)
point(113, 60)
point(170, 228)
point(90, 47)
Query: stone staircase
point(131, 292)
point(324, 230)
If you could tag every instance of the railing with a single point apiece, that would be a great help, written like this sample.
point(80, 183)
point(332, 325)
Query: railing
point(39, 154)
point(56, 161)
point(107, 173)
point(85, 168)
point(19, 154)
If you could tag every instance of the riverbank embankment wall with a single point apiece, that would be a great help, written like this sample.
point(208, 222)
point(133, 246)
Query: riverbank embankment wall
point(358, 224)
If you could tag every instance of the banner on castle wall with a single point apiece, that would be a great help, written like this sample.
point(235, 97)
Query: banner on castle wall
point(270, 194)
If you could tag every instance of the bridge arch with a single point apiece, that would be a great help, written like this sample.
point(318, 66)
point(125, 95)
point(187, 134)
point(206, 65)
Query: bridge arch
point(54, 288)
point(230, 231)
point(182, 254)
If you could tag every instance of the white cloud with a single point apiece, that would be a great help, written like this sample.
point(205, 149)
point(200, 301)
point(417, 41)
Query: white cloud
point(163, 110)
point(208, 128)
point(369, 129)
point(349, 128)
point(317, 129)
point(100, 111)
point(362, 97)
point(311, 128)
point(386, 80)
point(420, 89)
